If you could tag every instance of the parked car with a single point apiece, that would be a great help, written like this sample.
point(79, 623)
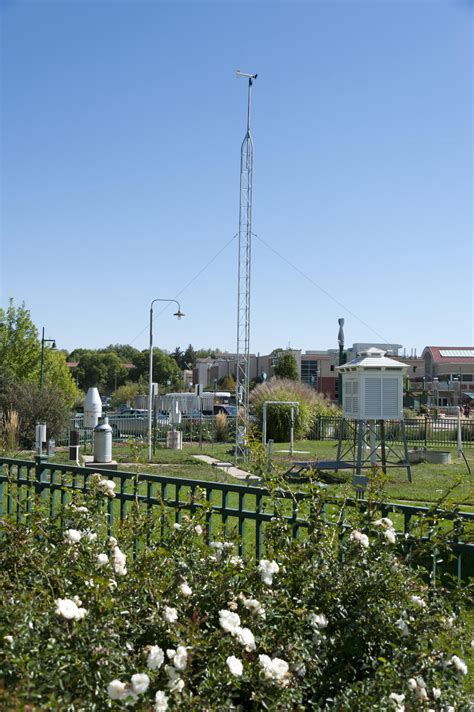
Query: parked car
point(230, 410)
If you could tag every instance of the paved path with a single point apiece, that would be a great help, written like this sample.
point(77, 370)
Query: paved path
point(227, 467)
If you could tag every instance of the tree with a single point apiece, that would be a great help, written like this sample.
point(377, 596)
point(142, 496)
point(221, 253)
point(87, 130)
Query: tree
point(286, 366)
point(165, 367)
point(189, 357)
point(20, 349)
point(125, 352)
point(102, 370)
point(57, 375)
point(178, 356)
point(127, 392)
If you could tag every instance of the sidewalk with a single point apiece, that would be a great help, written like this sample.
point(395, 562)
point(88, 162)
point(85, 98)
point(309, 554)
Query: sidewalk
point(227, 467)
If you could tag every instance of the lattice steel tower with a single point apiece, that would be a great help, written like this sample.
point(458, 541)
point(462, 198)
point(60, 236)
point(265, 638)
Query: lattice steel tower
point(244, 272)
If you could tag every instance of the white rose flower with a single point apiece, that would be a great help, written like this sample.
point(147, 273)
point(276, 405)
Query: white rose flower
point(69, 609)
point(396, 698)
point(177, 526)
point(266, 570)
point(185, 589)
point(385, 523)
point(360, 538)
point(175, 683)
point(418, 601)
point(8, 638)
point(180, 658)
point(436, 693)
point(102, 559)
point(274, 669)
point(235, 666)
point(155, 657)
point(140, 682)
point(198, 529)
point(254, 606)
point(390, 536)
point(245, 638)
point(229, 621)
point(459, 664)
point(116, 690)
point(161, 702)
point(317, 620)
point(112, 542)
point(119, 561)
point(73, 536)
point(170, 615)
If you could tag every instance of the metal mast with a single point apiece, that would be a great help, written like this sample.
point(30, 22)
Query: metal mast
point(243, 296)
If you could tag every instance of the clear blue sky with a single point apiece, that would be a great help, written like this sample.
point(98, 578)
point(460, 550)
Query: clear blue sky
point(121, 132)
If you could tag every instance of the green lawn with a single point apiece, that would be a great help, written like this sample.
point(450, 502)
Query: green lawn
point(428, 485)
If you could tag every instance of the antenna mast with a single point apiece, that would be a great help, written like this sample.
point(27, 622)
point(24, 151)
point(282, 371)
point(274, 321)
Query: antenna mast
point(243, 295)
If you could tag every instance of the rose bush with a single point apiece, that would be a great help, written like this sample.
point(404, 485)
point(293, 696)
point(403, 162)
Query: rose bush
point(324, 622)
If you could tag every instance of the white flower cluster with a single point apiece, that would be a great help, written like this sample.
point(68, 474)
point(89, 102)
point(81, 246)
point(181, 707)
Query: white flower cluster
point(128, 693)
point(170, 615)
point(155, 657)
point(360, 538)
point(185, 589)
point(418, 601)
point(266, 570)
point(388, 529)
point(418, 685)
point(254, 606)
point(230, 622)
point(274, 669)
point(235, 666)
point(72, 536)
point(398, 701)
point(119, 559)
point(317, 621)
point(161, 702)
point(459, 664)
point(70, 608)
point(105, 486)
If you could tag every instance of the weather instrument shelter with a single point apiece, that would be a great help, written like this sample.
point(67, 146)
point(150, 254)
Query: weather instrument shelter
point(372, 425)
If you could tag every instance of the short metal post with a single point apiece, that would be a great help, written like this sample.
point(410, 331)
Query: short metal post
point(292, 430)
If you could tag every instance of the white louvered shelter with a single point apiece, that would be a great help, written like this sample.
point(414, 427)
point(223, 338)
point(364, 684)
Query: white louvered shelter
point(372, 387)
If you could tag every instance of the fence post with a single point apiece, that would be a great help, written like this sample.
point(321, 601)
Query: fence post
point(40, 474)
point(426, 431)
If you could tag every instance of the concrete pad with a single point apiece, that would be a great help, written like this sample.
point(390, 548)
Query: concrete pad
point(295, 452)
point(229, 469)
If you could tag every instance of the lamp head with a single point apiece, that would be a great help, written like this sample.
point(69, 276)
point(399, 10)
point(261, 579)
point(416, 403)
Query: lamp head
point(179, 314)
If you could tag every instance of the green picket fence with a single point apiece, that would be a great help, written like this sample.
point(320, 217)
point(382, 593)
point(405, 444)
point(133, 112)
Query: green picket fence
point(241, 512)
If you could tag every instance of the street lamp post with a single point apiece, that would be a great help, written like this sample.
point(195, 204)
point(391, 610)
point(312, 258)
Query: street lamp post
point(178, 314)
point(43, 342)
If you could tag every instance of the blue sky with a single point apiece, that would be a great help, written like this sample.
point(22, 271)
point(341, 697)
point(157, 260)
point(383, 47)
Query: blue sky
point(121, 131)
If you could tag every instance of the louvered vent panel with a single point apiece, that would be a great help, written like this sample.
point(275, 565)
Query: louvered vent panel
point(391, 404)
point(373, 398)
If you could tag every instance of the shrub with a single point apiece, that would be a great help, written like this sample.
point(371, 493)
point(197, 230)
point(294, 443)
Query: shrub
point(221, 427)
point(10, 430)
point(322, 623)
point(35, 404)
point(311, 404)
